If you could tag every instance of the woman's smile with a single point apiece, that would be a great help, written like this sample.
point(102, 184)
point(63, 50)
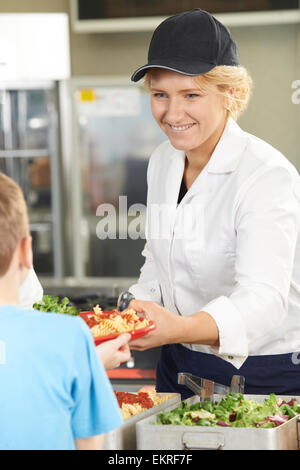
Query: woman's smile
point(181, 127)
point(191, 119)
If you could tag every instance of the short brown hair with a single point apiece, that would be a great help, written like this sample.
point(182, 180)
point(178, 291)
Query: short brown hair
point(14, 224)
point(233, 82)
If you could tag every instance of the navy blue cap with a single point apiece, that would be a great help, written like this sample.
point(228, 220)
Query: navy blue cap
point(191, 43)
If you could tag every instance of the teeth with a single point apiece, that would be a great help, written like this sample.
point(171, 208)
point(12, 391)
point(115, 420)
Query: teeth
point(181, 128)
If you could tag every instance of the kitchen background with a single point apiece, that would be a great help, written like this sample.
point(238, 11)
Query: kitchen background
point(84, 138)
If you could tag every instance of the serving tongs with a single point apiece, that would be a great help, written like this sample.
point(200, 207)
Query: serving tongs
point(206, 389)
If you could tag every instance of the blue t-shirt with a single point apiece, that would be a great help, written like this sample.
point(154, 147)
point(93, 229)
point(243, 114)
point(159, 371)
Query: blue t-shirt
point(53, 388)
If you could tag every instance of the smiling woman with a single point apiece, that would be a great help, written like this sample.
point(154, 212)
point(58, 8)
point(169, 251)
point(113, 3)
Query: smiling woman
point(234, 83)
point(193, 111)
point(193, 121)
point(229, 289)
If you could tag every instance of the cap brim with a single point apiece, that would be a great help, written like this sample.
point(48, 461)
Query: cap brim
point(191, 70)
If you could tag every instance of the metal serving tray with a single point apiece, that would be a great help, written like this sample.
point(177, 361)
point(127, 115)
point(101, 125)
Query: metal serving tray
point(171, 437)
point(124, 438)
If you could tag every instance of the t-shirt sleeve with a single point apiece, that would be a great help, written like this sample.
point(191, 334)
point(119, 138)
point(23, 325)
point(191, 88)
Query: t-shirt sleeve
point(95, 410)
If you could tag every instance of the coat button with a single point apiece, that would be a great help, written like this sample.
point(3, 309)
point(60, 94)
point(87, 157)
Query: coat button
point(152, 290)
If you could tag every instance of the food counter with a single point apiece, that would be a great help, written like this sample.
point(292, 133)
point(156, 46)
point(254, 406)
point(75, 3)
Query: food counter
point(284, 436)
point(124, 438)
point(230, 421)
point(150, 430)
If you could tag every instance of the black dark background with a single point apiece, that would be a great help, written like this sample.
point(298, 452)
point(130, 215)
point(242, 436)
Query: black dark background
point(100, 9)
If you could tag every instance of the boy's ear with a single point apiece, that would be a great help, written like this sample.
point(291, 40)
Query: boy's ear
point(26, 256)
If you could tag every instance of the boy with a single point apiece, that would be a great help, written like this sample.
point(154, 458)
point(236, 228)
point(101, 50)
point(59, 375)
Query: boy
point(54, 392)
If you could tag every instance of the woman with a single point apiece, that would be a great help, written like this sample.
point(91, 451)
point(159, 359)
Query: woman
point(225, 292)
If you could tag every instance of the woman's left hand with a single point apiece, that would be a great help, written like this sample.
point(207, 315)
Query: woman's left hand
point(168, 325)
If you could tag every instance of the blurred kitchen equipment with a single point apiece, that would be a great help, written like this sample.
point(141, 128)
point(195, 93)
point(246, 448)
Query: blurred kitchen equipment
point(114, 135)
point(30, 154)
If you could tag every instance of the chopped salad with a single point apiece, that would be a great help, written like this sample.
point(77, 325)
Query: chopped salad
point(233, 411)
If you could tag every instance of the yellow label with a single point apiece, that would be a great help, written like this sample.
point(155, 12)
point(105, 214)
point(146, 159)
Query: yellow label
point(87, 95)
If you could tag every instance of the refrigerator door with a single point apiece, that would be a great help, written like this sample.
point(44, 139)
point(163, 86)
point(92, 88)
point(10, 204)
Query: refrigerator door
point(115, 135)
point(29, 154)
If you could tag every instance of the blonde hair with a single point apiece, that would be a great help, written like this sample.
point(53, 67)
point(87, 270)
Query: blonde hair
point(14, 225)
point(233, 82)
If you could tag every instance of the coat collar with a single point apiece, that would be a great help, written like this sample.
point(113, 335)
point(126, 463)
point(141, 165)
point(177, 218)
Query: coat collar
point(227, 153)
point(224, 160)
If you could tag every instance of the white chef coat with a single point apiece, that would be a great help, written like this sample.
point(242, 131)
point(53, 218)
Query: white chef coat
point(30, 291)
point(244, 267)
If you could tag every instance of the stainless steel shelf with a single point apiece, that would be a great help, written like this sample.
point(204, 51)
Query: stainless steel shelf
point(36, 153)
point(111, 286)
point(40, 227)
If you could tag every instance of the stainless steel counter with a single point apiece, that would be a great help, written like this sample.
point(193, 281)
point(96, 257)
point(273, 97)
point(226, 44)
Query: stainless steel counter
point(109, 286)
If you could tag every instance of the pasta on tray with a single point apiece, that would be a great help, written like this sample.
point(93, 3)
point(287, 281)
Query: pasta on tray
point(132, 404)
point(109, 323)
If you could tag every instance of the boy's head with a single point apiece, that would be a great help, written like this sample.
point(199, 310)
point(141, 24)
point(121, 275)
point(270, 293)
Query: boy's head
point(15, 240)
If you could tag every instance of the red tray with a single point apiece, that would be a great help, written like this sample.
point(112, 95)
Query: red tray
point(134, 333)
point(132, 374)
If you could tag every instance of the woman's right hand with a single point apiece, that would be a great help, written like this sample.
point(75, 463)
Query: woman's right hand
point(114, 352)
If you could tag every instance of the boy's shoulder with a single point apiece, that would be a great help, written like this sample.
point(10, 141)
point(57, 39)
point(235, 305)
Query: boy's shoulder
point(59, 322)
point(66, 330)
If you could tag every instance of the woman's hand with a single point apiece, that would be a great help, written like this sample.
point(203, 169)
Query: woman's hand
point(114, 352)
point(198, 328)
point(168, 325)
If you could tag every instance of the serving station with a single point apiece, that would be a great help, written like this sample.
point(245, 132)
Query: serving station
point(152, 436)
point(144, 430)
point(125, 437)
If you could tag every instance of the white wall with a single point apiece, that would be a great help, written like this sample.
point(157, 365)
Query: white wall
point(271, 54)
